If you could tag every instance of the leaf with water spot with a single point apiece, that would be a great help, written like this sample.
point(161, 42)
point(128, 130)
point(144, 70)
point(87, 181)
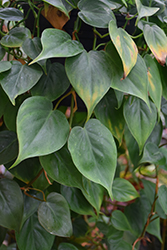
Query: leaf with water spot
point(125, 46)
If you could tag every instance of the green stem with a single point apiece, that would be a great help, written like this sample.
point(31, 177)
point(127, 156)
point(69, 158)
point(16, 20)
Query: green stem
point(94, 41)
point(130, 18)
point(63, 97)
point(72, 109)
point(18, 23)
point(97, 33)
point(135, 37)
point(38, 18)
point(2, 34)
point(70, 4)
point(101, 44)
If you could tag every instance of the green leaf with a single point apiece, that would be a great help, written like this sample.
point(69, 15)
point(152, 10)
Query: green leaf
point(154, 79)
point(41, 182)
point(144, 10)
point(112, 117)
point(163, 150)
point(2, 52)
point(65, 47)
point(96, 145)
point(11, 204)
point(119, 221)
point(3, 247)
point(157, 41)
point(3, 232)
point(33, 236)
point(125, 46)
point(3, 101)
point(162, 197)
point(62, 5)
point(31, 169)
point(156, 135)
point(54, 215)
point(8, 146)
point(152, 154)
point(11, 14)
point(33, 47)
point(163, 75)
point(123, 190)
point(90, 74)
point(154, 228)
point(136, 83)
point(66, 246)
point(15, 37)
point(96, 15)
point(19, 79)
point(93, 192)
point(77, 201)
point(132, 147)
point(40, 129)
point(4, 66)
point(52, 85)
point(60, 167)
point(140, 119)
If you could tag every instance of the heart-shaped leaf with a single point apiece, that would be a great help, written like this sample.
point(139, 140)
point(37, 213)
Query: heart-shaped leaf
point(4, 66)
point(140, 119)
point(33, 236)
point(8, 146)
point(155, 86)
point(90, 74)
point(96, 15)
point(123, 190)
point(96, 145)
point(125, 46)
point(136, 83)
point(93, 192)
point(15, 37)
point(19, 79)
point(11, 204)
point(62, 5)
point(54, 215)
point(119, 221)
point(58, 43)
point(40, 129)
point(144, 10)
point(77, 201)
point(59, 167)
point(152, 154)
point(106, 111)
point(11, 14)
point(157, 42)
point(54, 84)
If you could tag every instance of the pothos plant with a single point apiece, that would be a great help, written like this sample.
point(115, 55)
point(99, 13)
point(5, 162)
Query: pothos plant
point(92, 179)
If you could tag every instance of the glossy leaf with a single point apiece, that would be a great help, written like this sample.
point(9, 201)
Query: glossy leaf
point(123, 190)
point(157, 42)
point(112, 117)
point(2, 52)
point(33, 47)
point(152, 154)
point(136, 83)
point(90, 75)
point(96, 15)
point(154, 228)
point(125, 46)
point(33, 236)
point(15, 37)
point(19, 79)
point(144, 10)
point(4, 66)
point(65, 47)
point(49, 128)
point(156, 134)
point(140, 119)
point(11, 14)
point(163, 75)
point(11, 204)
point(96, 145)
point(119, 221)
point(8, 146)
point(77, 201)
point(52, 85)
point(162, 197)
point(31, 169)
point(66, 246)
point(60, 167)
point(54, 215)
point(93, 192)
point(154, 87)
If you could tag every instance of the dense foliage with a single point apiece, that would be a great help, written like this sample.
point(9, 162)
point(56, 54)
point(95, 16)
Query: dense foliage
point(81, 129)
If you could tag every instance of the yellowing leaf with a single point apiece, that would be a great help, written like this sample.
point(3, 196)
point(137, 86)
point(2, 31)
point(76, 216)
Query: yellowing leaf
point(125, 46)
